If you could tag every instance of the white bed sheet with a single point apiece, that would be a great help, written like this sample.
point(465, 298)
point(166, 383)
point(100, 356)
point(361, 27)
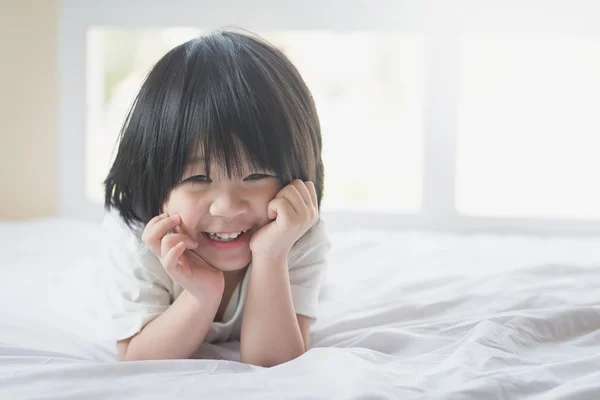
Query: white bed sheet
point(404, 315)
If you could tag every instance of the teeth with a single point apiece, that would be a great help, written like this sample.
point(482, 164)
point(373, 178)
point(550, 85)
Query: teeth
point(224, 237)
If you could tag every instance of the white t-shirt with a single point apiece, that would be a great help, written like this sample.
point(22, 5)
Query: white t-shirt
point(138, 289)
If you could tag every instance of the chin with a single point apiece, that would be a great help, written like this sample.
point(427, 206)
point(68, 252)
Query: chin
point(231, 264)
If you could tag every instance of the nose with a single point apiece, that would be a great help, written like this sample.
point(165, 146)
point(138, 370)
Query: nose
point(228, 204)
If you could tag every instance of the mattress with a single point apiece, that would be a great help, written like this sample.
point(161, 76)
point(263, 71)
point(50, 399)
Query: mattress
point(403, 314)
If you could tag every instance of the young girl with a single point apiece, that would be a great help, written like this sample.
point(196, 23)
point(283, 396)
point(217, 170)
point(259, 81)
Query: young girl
point(213, 206)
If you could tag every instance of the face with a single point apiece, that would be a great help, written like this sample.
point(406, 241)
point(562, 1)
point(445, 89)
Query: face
point(221, 214)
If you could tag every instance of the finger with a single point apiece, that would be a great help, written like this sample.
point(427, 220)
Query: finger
point(184, 260)
point(150, 225)
point(303, 190)
point(293, 196)
point(160, 225)
point(154, 220)
point(172, 239)
point(313, 193)
point(191, 258)
point(161, 228)
point(170, 260)
point(280, 208)
point(272, 210)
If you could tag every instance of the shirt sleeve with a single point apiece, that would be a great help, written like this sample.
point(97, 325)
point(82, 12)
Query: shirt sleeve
point(307, 263)
point(137, 288)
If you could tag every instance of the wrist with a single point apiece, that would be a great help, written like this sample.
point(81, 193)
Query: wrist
point(203, 299)
point(270, 258)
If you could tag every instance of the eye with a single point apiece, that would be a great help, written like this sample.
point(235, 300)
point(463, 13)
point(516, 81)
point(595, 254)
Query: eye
point(255, 177)
point(199, 178)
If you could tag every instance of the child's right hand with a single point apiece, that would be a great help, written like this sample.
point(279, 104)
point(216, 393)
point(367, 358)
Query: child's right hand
point(189, 270)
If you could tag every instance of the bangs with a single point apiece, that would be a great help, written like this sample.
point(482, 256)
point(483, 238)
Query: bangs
point(226, 97)
point(233, 112)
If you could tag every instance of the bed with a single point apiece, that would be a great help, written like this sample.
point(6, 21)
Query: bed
point(404, 314)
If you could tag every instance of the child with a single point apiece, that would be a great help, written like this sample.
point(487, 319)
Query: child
point(213, 206)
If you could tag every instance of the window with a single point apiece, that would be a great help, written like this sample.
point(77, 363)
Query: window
point(478, 115)
point(528, 126)
point(368, 89)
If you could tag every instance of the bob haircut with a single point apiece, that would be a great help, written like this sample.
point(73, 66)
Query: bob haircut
point(229, 94)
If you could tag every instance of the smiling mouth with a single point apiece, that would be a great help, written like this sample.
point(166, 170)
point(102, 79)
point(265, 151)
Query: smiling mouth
point(225, 237)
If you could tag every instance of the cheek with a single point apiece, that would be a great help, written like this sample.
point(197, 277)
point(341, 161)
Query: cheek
point(187, 206)
point(260, 198)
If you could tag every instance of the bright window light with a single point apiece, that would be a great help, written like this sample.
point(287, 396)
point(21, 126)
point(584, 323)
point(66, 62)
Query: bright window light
point(368, 88)
point(528, 126)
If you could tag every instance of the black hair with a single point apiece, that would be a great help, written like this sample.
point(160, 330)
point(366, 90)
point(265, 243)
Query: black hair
point(217, 92)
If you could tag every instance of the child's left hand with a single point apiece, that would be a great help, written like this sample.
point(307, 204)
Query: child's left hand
point(294, 210)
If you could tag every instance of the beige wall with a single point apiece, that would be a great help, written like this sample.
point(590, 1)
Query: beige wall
point(28, 108)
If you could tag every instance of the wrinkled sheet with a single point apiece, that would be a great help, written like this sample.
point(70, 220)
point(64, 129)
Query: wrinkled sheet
point(403, 315)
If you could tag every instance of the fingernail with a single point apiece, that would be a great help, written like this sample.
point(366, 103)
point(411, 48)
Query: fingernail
point(175, 218)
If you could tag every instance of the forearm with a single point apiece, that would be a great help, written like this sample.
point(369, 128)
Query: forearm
point(177, 333)
point(270, 334)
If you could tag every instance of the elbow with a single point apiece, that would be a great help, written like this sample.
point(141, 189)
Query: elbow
point(268, 360)
point(125, 356)
point(136, 356)
point(128, 357)
point(123, 352)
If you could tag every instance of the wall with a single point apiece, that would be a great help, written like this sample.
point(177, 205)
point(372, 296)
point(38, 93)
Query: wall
point(28, 108)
